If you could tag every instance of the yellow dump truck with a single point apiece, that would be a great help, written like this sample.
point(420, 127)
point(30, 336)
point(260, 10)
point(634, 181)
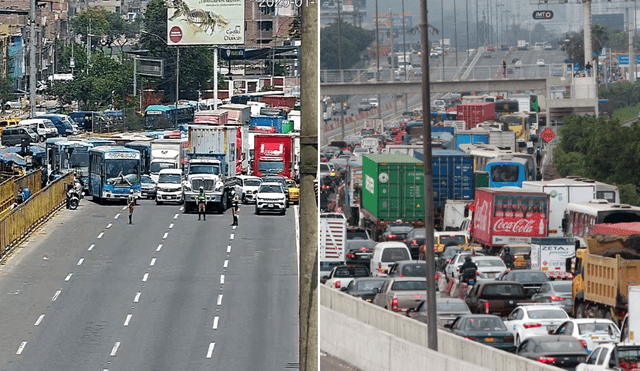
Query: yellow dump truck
point(603, 272)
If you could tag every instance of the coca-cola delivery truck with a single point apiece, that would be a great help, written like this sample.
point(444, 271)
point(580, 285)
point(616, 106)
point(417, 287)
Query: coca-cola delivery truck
point(509, 215)
point(274, 155)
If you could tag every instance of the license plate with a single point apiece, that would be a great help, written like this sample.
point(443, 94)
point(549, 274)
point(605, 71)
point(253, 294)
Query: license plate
point(270, 205)
point(489, 340)
point(551, 328)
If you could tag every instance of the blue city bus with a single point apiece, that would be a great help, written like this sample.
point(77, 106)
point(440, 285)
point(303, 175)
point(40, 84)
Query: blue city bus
point(168, 116)
point(144, 148)
point(509, 171)
point(99, 142)
point(114, 172)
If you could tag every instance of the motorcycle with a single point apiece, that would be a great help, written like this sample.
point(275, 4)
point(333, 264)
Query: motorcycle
point(469, 276)
point(78, 188)
point(73, 199)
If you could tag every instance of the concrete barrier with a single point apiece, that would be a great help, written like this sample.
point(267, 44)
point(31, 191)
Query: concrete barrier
point(388, 326)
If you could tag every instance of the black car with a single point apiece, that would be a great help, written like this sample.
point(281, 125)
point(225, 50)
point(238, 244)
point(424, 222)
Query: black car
point(445, 258)
point(557, 350)
point(364, 287)
point(515, 59)
point(531, 279)
point(487, 329)
point(330, 151)
point(359, 251)
point(413, 240)
point(396, 231)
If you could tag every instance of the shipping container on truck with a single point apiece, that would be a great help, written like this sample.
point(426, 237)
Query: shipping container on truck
point(354, 180)
point(165, 154)
point(281, 125)
point(509, 215)
point(393, 189)
point(205, 140)
point(274, 155)
point(549, 254)
point(564, 191)
point(333, 238)
point(238, 112)
point(279, 101)
point(603, 276)
point(476, 112)
point(216, 117)
point(452, 179)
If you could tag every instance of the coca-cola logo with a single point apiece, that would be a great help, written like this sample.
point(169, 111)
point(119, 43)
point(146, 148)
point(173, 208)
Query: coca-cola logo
point(482, 213)
point(522, 226)
point(271, 152)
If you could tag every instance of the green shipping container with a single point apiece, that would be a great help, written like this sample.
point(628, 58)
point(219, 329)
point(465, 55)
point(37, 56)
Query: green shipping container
point(393, 187)
point(287, 127)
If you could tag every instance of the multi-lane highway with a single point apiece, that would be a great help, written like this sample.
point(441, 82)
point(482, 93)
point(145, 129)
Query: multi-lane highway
point(90, 292)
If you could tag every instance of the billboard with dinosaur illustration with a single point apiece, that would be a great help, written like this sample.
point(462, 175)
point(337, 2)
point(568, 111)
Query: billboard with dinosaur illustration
point(205, 22)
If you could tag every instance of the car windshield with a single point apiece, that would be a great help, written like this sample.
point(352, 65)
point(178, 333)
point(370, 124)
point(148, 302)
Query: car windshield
point(361, 150)
point(515, 250)
point(562, 286)
point(145, 179)
point(204, 169)
point(419, 233)
point(530, 277)
point(414, 270)
point(358, 244)
point(503, 290)
point(351, 272)
point(169, 178)
point(547, 314)
point(450, 252)
point(270, 188)
point(451, 307)
point(409, 285)
point(458, 240)
point(252, 182)
point(400, 229)
point(484, 324)
point(593, 328)
point(560, 346)
point(488, 263)
point(368, 285)
point(392, 254)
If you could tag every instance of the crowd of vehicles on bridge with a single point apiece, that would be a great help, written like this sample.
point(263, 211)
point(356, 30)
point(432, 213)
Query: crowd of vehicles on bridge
point(248, 150)
point(545, 269)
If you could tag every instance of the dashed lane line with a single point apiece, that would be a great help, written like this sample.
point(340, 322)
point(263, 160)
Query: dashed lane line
point(55, 296)
point(80, 261)
point(101, 234)
point(165, 235)
point(210, 351)
point(170, 225)
point(137, 298)
point(222, 279)
point(114, 350)
point(228, 249)
point(91, 247)
point(68, 277)
point(176, 216)
point(220, 299)
point(153, 262)
point(159, 247)
point(39, 320)
point(117, 216)
point(21, 347)
point(215, 322)
point(126, 321)
point(109, 225)
point(144, 278)
point(226, 263)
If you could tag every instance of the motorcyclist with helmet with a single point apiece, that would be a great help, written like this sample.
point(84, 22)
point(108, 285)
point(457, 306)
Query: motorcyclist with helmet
point(468, 269)
point(508, 258)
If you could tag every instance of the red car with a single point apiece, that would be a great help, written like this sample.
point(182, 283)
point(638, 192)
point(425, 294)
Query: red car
point(491, 48)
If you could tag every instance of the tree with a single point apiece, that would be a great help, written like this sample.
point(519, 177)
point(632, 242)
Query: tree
point(355, 40)
point(108, 29)
point(601, 36)
point(6, 91)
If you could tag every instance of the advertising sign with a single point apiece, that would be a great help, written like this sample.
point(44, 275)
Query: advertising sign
point(384, 22)
point(205, 22)
point(542, 14)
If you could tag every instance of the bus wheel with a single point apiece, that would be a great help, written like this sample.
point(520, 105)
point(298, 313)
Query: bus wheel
point(97, 200)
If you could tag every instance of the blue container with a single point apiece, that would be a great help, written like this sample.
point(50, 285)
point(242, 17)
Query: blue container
point(452, 175)
point(471, 138)
point(273, 121)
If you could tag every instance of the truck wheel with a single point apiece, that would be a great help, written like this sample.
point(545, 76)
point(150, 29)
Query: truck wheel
point(602, 313)
point(223, 204)
point(257, 211)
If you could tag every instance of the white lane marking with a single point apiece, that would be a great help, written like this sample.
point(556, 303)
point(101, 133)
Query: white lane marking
point(126, 321)
point(181, 209)
point(222, 279)
point(101, 234)
point(124, 208)
point(21, 347)
point(165, 235)
point(159, 247)
point(220, 299)
point(91, 247)
point(226, 263)
point(153, 262)
point(114, 350)
point(210, 351)
point(234, 227)
point(137, 298)
point(296, 212)
point(80, 261)
point(144, 279)
point(68, 277)
point(55, 296)
point(215, 323)
point(170, 225)
point(109, 225)
point(39, 320)
point(176, 216)
point(117, 216)
point(232, 236)
point(229, 249)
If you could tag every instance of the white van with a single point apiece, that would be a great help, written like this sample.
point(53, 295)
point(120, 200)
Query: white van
point(385, 254)
point(43, 127)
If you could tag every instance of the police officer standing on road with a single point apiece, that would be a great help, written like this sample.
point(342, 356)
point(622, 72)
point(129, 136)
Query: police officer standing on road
point(131, 200)
point(234, 208)
point(202, 204)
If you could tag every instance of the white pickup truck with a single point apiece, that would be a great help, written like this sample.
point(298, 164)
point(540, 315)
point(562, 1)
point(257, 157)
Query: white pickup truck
point(342, 275)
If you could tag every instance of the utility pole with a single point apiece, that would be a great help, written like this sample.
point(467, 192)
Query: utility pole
point(441, 37)
point(455, 30)
point(393, 65)
point(32, 59)
point(477, 30)
point(467, 13)
point(432, 323)
point(340, 68)
point(177, 86)
point(406, 64)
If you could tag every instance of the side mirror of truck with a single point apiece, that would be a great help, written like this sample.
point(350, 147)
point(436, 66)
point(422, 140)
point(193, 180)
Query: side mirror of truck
point(323, 280)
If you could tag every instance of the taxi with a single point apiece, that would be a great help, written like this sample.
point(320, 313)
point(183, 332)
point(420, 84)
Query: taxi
point(294, 191)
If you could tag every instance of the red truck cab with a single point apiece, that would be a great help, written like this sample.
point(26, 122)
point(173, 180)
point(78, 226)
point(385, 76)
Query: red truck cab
point(274, 155)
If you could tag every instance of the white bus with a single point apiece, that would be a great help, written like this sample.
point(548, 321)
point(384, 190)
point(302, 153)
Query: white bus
point(580, 217)
point(327, 108)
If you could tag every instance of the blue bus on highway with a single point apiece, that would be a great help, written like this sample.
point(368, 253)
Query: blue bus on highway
point(509, 171)
point(168, 116)
point(114, 172)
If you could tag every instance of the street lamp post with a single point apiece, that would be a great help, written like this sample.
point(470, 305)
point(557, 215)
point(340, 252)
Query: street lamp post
point(441, 37)
point(467, 29)
point(455, 29)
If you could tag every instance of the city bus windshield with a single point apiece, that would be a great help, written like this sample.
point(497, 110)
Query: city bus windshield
point(122, 173)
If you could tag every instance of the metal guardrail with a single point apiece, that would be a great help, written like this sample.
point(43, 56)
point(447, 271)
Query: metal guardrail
point(30, 214)
point(9, 189)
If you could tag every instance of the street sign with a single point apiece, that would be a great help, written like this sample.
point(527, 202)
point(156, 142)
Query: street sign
point(623, 59)
point(542, 14)
point(151, 67)
point(603, 101)
point(232, 54)
point(547, 134)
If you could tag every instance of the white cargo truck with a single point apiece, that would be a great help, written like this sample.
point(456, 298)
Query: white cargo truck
point(549, 254)
point(165, 154)
point(454, 214)
point(568, 190)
